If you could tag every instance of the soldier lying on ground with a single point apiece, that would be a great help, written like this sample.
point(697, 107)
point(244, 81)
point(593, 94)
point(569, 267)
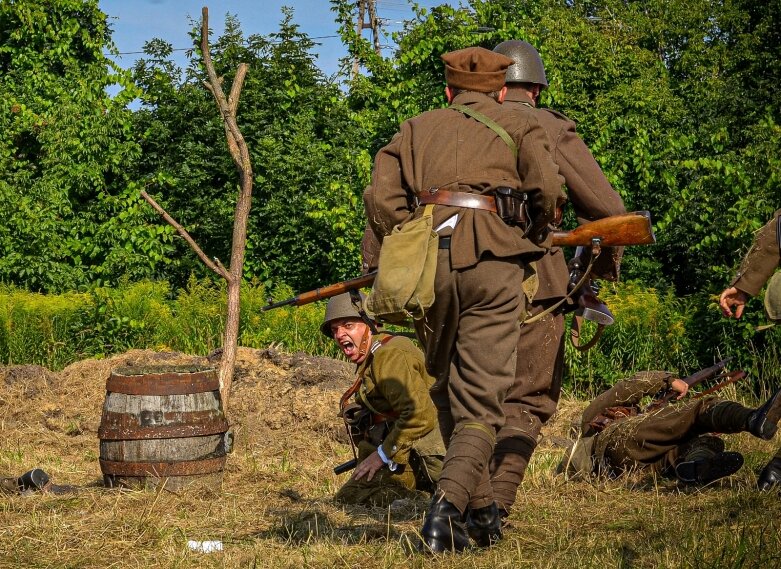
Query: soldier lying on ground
point(393, 421)
point(674, 441)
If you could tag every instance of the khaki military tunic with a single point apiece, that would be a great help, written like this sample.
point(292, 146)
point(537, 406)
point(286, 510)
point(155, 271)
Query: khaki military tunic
point(760, 262)
point(533, 398)
point(395, 384)
point(648, 439)
point(471, 332)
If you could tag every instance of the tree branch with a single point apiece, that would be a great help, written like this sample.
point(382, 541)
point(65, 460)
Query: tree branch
point(214, 266)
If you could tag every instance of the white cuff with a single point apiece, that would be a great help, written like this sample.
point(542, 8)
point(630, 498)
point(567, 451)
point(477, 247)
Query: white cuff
point(392, 466)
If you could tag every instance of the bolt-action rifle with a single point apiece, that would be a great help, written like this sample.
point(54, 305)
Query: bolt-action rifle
point(668, 395)
point(614, 231)
point(715, 371)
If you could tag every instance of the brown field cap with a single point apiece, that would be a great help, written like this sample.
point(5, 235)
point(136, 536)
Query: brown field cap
point(476, 69)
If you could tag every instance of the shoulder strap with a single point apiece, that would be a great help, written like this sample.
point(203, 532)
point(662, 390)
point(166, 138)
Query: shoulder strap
point(490, 123)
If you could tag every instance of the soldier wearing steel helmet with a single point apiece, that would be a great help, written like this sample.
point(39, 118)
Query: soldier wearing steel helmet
point(760, 263)
point(533, 396)
point(393, 420)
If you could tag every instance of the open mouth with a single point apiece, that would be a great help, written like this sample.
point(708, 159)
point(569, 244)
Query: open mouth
point(348, 348)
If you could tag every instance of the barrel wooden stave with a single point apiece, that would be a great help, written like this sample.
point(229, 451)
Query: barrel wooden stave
point(172, 438)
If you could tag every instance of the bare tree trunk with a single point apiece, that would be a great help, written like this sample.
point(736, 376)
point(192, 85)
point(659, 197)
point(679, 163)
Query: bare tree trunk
point(240, 154)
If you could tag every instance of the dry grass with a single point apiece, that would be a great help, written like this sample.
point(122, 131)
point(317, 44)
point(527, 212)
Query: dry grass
point(274, 508)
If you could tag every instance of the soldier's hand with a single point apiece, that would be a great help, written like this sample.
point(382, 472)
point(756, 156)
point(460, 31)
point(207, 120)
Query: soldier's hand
point(680, 387)
point(733, 297)
point(368, 467)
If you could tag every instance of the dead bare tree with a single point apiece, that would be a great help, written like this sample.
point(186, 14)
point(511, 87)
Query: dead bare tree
point(240, 154)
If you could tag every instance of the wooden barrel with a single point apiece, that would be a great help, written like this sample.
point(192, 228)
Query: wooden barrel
point(163, 425)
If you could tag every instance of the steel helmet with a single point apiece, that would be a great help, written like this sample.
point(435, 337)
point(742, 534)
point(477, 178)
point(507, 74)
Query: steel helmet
point(340, 306)
point(528, 67)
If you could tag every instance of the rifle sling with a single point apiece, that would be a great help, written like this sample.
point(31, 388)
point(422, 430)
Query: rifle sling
point(568, 296)
point(575, 335)
point(490, 123)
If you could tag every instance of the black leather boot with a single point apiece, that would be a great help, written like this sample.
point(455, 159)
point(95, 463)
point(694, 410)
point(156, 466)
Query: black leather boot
point(770, 477)
point(484, 525)
point(444, 529)
point(705, 470)
point(762, 422)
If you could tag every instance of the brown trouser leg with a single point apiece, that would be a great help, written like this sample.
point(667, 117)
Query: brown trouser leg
point(470, 335)
point(647, 438)
point(530, 402)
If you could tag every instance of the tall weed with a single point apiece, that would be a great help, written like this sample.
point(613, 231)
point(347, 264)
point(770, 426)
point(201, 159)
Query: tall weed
point(650, 332)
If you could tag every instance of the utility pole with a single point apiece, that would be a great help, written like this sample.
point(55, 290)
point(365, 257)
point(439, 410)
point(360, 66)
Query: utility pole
point(367, 7)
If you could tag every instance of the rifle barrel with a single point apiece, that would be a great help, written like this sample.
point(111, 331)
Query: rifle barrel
point(703, 374)
point(616, 230)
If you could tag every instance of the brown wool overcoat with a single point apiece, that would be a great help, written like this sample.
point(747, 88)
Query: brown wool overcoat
point(762, 260)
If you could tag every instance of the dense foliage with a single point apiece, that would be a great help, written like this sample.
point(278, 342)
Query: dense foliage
point(678, 101)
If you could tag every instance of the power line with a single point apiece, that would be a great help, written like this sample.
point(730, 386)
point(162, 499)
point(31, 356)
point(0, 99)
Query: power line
point(189, 48)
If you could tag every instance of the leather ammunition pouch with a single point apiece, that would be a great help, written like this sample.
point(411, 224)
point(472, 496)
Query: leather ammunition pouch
point(513, 207)
point(365, 425)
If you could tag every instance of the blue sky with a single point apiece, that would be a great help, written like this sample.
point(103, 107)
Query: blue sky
point(136, 21)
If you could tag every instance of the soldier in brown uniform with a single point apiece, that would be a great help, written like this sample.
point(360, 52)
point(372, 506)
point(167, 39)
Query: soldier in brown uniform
point(470, 334)
point(400, 448)
point(760, 263)
point(533, 397)
point(673, 439)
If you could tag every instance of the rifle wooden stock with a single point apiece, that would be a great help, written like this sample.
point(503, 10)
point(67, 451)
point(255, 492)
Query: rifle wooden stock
point(617, 230)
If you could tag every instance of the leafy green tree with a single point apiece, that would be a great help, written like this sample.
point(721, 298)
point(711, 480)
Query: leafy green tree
point(305, 144)
point(65, 146)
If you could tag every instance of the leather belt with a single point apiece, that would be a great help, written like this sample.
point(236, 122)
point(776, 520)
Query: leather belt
point(458, 199)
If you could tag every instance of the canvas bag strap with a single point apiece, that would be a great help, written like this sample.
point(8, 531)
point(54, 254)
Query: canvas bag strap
point(490, 123)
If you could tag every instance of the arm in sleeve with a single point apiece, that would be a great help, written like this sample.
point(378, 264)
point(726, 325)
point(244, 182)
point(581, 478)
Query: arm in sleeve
point(627, 392)
point(591, 194)
point(400, 382)
point(386, 199)
point(370, 250)
point(538, 172)
point(762, 260)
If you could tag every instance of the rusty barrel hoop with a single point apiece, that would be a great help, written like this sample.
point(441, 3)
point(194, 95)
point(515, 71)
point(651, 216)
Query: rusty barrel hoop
point(162, 423)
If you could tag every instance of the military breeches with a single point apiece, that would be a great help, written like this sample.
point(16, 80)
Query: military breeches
point(642, 440)
point(470, 336)
point(531, 401)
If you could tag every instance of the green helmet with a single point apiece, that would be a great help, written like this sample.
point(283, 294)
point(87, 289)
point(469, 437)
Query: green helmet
point(773, 298)
point(340, 306)
point(528, 67)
